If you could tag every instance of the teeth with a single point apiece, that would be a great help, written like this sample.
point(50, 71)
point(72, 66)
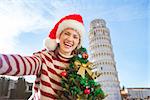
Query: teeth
point(68, 44)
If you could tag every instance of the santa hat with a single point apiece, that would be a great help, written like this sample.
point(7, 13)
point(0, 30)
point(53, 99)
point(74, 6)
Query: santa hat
point(73, 21)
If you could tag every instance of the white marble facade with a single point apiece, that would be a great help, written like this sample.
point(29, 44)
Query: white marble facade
point(101, 54)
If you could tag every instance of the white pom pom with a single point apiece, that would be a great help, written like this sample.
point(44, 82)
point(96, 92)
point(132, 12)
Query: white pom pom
point(50, 44)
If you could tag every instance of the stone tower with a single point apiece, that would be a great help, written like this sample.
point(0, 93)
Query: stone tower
point(101, 54)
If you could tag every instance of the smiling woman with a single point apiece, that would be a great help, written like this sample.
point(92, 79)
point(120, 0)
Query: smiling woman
point(69, 40)
point(49, 63)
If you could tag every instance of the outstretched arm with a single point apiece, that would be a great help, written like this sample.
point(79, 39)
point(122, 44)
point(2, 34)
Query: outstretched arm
point(17, 65)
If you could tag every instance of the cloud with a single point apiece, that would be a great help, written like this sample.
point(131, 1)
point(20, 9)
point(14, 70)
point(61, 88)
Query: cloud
point(17, 18)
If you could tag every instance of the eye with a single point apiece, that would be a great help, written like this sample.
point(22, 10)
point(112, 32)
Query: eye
point(67, 33)
point(76, 37)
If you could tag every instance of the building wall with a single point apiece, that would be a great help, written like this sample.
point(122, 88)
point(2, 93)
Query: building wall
point(101, 54)
point(138, 93)
point(14, 89)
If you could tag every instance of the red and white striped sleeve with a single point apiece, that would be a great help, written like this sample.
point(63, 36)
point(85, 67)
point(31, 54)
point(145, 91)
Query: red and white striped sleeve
point(17, 65)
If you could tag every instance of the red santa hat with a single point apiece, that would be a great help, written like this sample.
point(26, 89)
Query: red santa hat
point(73, 21)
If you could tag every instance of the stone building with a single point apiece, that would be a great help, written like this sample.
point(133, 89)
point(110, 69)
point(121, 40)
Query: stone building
point(101, 54)
point(15, 89)
point(135, 93)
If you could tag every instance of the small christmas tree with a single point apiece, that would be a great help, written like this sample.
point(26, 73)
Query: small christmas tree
point(78, 80)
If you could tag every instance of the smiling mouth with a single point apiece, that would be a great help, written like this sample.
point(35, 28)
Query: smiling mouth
point(67, 44)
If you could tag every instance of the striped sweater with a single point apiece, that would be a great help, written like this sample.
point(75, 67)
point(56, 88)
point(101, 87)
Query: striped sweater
point(46, 65)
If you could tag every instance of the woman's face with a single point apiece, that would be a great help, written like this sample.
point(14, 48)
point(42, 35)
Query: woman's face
point(69, 40)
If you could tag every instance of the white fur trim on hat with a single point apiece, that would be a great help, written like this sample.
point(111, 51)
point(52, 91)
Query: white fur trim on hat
point(50, 44)
point(70, 24)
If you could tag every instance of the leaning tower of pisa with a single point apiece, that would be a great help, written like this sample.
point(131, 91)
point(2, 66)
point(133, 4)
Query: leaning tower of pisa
point(101, 54)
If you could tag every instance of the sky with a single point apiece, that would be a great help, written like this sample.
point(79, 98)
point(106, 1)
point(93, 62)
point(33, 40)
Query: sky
point(24, 24)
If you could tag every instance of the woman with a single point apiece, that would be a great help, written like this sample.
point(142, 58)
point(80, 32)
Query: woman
point(64, 39)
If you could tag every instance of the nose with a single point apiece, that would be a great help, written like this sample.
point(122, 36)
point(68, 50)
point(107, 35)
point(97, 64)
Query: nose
point(70, 38)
